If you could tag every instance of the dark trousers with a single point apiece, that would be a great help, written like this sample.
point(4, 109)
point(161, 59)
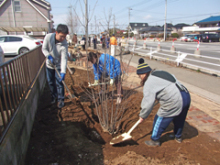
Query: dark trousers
point(161, 123)
point(56, 87)
point(95, 46)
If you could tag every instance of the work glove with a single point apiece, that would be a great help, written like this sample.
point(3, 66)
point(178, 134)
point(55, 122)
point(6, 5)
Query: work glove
point(111, 81)
point(62, 76)
point(50, 58)
point(96, 82)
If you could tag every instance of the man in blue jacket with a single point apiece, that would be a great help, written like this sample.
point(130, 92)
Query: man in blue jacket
point(173, 97)
point(105, 65)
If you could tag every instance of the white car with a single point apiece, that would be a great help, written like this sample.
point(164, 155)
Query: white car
point(17, 44)
point(2, 58)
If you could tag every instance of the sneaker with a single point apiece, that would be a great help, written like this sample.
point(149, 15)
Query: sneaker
point(179, 140)
point(60, 104)
point(152, 143)
point(119, 100)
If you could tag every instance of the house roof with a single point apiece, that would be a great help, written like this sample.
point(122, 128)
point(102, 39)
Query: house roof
point(24, 29)
point(138, 25)
point(212, 19)
point(180, 25)
point(168, 25)
point(42, 3)
point(151, 29)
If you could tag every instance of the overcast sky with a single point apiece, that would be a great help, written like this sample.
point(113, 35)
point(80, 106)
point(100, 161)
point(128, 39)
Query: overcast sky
point(148, 11)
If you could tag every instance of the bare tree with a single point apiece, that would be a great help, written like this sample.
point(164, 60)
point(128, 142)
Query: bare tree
point(108, 18)
point(72, 21)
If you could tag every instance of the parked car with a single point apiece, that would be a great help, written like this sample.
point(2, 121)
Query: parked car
point(184, 38)
point(17, 44)
point(211, 37)
point(2, 58)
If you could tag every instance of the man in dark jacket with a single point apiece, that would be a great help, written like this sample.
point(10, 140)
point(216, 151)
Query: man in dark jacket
point(173, 97)
point(95, 42)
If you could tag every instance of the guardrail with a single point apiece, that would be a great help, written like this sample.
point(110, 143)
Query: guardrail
point(203, 63)
point(16, 79)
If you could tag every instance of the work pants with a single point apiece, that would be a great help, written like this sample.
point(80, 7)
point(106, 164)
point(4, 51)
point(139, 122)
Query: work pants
point(56, 87)
point(161, 123)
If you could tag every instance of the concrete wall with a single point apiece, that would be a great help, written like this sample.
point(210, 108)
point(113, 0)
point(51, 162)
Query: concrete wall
point(14, 146)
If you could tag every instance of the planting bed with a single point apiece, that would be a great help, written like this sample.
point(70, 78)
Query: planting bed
point(72, 135)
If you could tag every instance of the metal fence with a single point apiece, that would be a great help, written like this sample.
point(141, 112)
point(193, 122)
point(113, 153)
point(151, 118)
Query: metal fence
point(16, 79)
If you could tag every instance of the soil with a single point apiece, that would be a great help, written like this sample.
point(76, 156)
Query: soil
point(72, 135)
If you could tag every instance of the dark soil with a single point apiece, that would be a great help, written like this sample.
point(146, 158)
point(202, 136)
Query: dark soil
point(73, 136)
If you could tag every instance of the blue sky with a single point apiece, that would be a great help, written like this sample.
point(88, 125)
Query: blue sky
point(148, 11)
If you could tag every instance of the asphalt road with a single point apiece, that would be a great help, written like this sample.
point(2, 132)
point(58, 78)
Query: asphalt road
point(207, 49)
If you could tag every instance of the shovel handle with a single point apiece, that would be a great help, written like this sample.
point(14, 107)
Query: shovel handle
point(134, 126)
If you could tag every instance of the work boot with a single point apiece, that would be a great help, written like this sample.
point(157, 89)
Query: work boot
point(152, 143)
point(60, 104)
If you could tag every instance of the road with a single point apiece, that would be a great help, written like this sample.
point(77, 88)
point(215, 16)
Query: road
point(209, 61)
point(207, 49)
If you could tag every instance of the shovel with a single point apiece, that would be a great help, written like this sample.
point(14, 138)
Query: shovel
point(124, 136)
point(72, 97)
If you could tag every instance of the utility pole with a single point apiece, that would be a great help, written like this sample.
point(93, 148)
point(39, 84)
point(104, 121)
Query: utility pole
point(165, 24)
point(129, 21)
point(95, 26)
point(114, 24)
point(86, 22)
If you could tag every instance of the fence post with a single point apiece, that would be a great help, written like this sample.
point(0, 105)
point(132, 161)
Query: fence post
point(158, 46)
point(150, 52)
point(144, 45)
point(197, 51)
point(178, 58)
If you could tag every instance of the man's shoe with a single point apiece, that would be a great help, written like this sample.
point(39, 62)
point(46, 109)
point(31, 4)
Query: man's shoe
point(152, 143)
point(60, 104)
point(179, 140)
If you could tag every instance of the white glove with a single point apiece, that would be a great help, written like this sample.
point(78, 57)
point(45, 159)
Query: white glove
point(96, 82)
point(111, 82)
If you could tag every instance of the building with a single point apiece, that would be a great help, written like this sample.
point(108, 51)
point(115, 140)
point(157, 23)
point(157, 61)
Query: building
point(30, 17)
point(207, 25)
point(135, 27)
point(178, 27)
point(151, 31)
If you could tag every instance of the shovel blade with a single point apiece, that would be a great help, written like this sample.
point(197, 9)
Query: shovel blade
point(120, 138)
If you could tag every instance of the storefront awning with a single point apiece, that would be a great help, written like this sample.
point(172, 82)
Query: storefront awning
point(24, 29)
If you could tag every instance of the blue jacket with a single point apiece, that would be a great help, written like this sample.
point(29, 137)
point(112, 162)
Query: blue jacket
point(106, 60)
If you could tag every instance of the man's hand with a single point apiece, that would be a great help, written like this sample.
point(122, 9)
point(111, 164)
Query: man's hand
point(62, 76)
point(111, 82)
point(50, 58)
point(141, 119)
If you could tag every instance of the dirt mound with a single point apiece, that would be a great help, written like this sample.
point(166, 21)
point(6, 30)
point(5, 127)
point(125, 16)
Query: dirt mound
point(73, 135)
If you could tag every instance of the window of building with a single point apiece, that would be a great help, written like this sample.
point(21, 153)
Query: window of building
point(143, 24)
point(17, 6)
point(135, 24)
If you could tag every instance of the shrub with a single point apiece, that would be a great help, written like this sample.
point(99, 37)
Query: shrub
point(175, 35)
